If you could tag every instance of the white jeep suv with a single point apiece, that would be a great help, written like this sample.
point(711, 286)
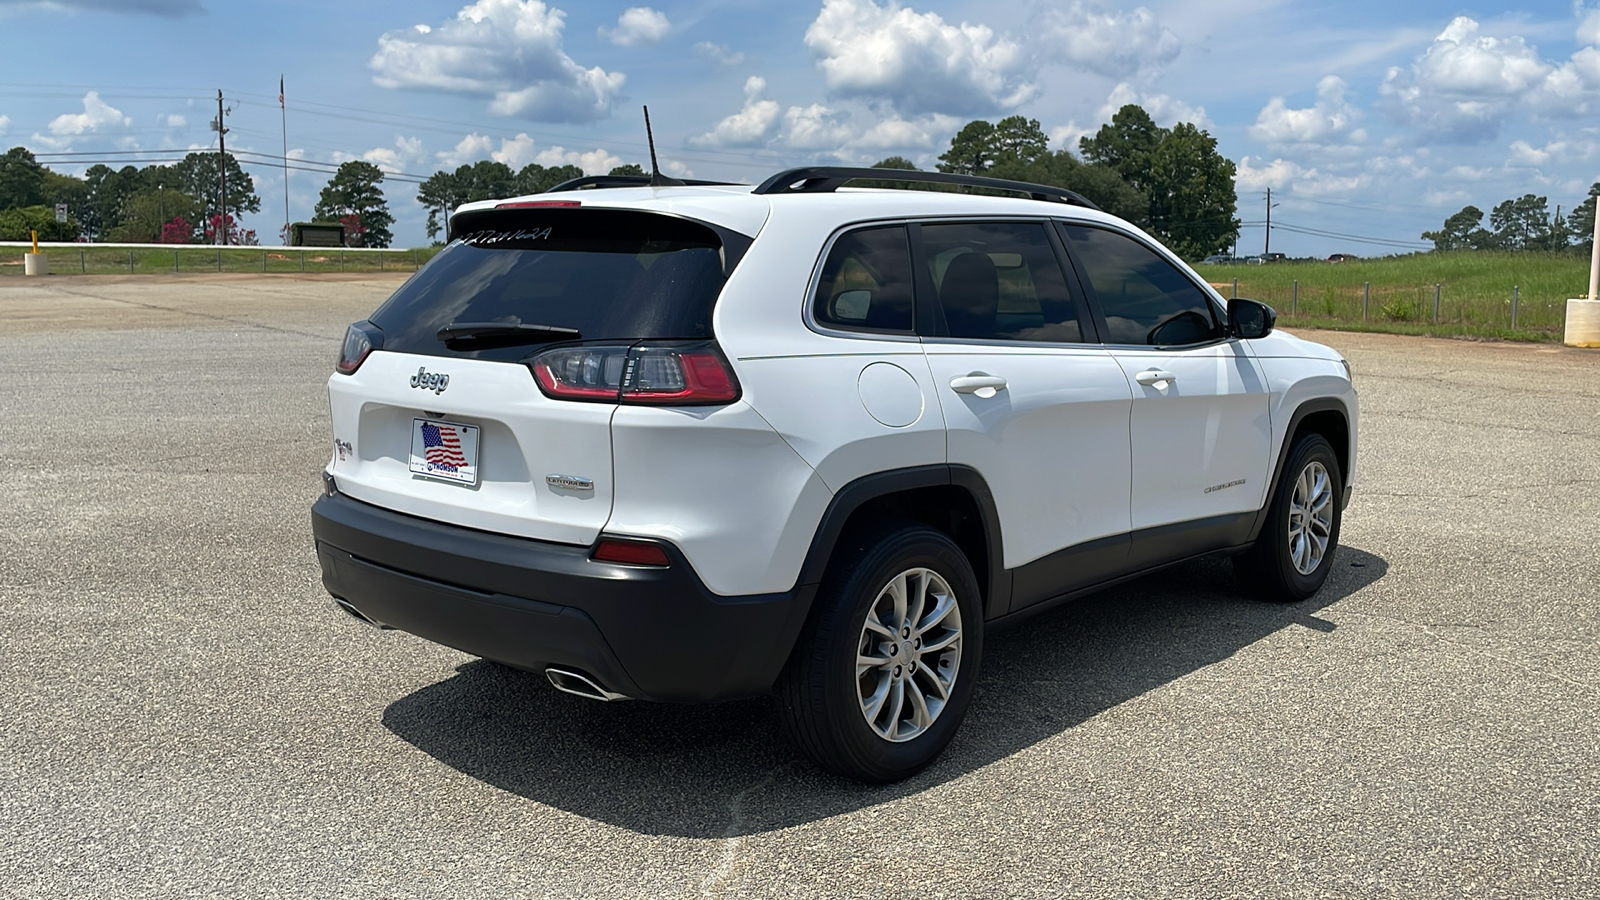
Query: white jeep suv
point(701, 441)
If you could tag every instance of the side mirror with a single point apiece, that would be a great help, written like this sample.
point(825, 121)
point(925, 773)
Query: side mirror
point(1250, 318)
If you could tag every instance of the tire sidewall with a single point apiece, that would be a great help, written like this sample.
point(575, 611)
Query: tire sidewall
point(906, 549)
point(1312, 448)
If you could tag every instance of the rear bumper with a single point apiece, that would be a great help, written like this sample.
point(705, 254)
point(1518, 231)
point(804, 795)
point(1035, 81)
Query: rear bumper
point(650, 633)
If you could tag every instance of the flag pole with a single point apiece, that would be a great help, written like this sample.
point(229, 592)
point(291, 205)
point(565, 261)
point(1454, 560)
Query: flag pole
point(283, 112)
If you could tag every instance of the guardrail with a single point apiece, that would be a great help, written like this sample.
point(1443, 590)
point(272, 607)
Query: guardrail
point(127, 259)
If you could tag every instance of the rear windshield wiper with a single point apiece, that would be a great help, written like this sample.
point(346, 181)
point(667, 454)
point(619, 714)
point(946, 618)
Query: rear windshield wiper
point(506, 332)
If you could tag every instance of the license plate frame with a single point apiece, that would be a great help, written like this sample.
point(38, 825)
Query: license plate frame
point(454, 447)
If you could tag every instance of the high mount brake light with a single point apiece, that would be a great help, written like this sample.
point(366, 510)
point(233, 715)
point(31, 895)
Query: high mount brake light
point(647, 373)
point(528, 204)
point(360, 340)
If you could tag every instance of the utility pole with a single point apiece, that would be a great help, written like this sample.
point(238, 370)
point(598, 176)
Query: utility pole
point(222, 163)
point(1267, 247)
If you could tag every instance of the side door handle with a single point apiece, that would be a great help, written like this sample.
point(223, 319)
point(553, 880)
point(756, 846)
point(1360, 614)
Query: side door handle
point(1154, 377)
point(980, 383)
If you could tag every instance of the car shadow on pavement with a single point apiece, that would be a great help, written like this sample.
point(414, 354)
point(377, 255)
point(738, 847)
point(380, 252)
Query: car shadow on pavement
point(723, 770)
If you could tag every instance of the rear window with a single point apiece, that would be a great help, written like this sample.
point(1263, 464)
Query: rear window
point(606, 274)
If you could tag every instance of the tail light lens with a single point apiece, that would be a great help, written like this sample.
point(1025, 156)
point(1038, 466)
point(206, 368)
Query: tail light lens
point(649, 373)
point(360, 339)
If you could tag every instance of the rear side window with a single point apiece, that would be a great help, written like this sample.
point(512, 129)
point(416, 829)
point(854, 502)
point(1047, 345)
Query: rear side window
point(604, 274)
point(866, 281)
point(1145, 299)
point(1000, 281)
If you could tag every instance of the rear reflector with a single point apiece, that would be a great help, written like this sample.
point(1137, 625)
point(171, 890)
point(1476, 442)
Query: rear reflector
point(528, 204)
point(633, 553)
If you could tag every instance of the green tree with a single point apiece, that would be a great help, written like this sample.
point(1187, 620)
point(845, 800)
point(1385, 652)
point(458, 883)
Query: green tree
point(1019, 140)
point(628, 169)
point(536, 179)
point(972, 150)
point(1100, 185)
point(1521, 224)
point(147, 213)
point(1192, 199)
point(198, 176)
point(1461, 231)
point(354, 190)
point(1580, 223)
point(22, 179)
point(19, 222)
point(1125, 145)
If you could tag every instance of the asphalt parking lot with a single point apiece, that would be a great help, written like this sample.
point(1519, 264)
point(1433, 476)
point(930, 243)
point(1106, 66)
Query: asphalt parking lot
point(185, 714)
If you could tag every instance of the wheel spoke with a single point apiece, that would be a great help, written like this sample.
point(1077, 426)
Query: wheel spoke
point(942, 642)
point(918, 599)
point(938, 683)
point(865, 663)
point(871, 706)
point(897, 705)
point(878, 628)
point(920, 717)
point(943, 604)
point(897, 591)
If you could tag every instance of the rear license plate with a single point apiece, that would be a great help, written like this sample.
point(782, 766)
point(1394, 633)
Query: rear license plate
point(444, 450)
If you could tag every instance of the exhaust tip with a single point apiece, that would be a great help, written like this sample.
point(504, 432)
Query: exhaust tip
point(572, 682)
point(359, 616)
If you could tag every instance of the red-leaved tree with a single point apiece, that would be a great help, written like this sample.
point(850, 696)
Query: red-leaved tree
point(354, 231)
point(177, 231)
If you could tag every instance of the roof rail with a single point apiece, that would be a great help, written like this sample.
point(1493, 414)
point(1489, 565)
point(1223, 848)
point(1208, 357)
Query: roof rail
point(594, 182)
point(826, 179)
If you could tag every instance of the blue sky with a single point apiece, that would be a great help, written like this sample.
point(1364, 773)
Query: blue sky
point(1373, 121)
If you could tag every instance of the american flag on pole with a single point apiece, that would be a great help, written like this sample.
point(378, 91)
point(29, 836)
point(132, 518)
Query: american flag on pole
point(442, 445)
point(280, 91)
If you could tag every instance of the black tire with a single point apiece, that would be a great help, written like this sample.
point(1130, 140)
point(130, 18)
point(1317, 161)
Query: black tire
point(1268, 570)
point(821, 693)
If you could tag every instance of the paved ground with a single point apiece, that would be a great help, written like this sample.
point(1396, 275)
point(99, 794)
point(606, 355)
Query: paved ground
point(185, 715)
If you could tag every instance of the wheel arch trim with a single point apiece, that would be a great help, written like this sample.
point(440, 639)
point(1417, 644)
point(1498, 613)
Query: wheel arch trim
point(853, 496)
point(1346, 455)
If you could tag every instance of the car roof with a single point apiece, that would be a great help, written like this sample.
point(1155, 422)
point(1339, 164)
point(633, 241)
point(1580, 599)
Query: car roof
point(734, 206)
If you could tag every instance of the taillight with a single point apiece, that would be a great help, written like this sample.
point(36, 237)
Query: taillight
point(359, 340)
point(650, 373)
point(633, 553)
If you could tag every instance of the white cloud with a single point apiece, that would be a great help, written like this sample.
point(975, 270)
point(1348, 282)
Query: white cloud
point(1107, 41)
point(815, 127)
point(1589, 28)
point(5, 124)
point(638, 26)
point(97, 115)
point(917, 62)
point(1329, 121)
point(895, 133)
point(174, 121)
point(507, 50)
point(717, 53)
point(1465, 84)
point(750, 126)
point(1165, 110)
point(390, 159)
point(592, 162)
point(1066, 137)
point(1276, 174)
point(677, 169)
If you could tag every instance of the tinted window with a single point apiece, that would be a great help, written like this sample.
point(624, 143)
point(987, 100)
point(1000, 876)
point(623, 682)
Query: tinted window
point(866, 281)
point(1146, 300)
point(1000, 281)
point(607, 274)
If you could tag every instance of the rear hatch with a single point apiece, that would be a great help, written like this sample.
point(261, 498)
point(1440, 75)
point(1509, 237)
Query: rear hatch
point(481, 393)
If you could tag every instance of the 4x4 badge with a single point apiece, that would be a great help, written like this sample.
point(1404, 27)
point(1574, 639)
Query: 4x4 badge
point(432, 381)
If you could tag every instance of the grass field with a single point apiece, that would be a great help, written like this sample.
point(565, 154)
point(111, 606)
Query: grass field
point(1474, 289)
point(1475, 293)
point(90, 260)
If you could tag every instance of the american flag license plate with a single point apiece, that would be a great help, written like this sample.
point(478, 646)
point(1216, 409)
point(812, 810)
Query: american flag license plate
point(445, 450)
